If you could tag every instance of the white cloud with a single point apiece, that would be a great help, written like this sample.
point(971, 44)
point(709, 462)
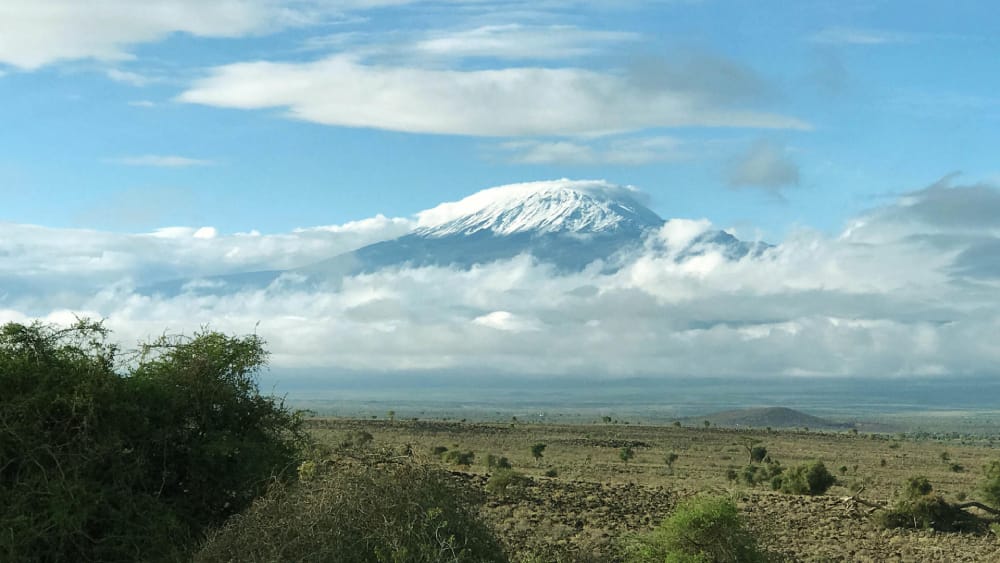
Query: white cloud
point(340, 90)
point(36, 33)
point(142, 104)
point(163, 161)
point(516, 41)
point(634, 151)
point(39, 259)
point(886, 298)
point(130, 78)
point(858, 36)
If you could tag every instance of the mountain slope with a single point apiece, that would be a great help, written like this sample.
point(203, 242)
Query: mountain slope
point(568, 224)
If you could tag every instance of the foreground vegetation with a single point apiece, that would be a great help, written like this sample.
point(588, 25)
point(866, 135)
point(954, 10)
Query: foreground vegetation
point(170, 453)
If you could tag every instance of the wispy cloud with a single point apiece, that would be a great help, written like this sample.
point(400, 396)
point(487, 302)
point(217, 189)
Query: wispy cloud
point(764, 165)
point(516, 41)
point(859, 36)
point(163, 161)
point(629, 151)
point(142, 104)
point(130, 78)
point(36, 34)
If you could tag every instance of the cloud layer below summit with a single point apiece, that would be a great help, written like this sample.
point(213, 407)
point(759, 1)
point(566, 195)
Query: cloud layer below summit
point(907, 288)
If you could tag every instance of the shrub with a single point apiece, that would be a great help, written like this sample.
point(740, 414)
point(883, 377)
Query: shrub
point(456, 457)
point(506, 480)
point(990, 486)
point(103, 462)
point(626, 454)
point(918, 507)
point(768, 473)
point(374, 510)
point(701, 530)
point(758, 453)
point(497, 462)
point(807, 479)
point(551, 473)
point(536, 451)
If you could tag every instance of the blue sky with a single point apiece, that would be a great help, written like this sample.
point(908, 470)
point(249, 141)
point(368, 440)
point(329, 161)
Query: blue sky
point(182, 139)
point(126, 119)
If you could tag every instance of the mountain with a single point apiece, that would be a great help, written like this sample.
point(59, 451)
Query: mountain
point(568, 224)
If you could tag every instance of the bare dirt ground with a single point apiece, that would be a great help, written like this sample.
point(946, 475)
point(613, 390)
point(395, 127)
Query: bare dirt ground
point(595, 499)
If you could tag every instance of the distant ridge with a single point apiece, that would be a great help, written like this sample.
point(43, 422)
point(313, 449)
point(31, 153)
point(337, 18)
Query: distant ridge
point(774, 417)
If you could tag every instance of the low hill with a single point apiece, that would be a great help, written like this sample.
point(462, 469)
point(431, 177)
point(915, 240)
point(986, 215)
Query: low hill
point(775, 417)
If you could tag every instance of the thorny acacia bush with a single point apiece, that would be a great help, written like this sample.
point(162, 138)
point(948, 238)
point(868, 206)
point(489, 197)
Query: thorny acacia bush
point(807, 479)
point(919, 507)
point(701, 530)
point(375, 507)
point(112, 460)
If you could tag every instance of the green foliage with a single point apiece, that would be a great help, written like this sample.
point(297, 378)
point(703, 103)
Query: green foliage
point(376, 509)
point(806, 479)
point(701, 530)
point(757, 454)
point(506, 481)
point(457, 457)
point(101, 462)
point(918, 507)
point(497, 462)
point(536, 451)
point(439, 450)
point(767, 473)
point(626, 454)
point(990, 486)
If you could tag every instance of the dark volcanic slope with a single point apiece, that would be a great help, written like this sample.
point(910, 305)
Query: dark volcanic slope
point(775, 417)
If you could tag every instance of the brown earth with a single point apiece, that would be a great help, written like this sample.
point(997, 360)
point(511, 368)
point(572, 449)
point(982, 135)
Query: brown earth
point(595, 500)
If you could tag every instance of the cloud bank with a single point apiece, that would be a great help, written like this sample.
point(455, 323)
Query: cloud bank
point(907, 289)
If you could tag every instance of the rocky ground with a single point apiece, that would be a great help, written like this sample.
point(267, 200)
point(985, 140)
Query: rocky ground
point(595, 500)
point(580, 521)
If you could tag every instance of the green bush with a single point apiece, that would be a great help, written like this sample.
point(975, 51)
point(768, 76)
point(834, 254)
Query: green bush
point(767, 473)
point(990, 486)
point(506, 481)
point(377, 510)
point(497, 462)
point(807, 479)
point(111, 463)
point(456, 457)
point(701, 530)
point(918, 507)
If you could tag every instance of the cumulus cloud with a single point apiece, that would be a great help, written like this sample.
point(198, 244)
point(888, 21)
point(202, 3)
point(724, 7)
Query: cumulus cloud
point(764, 165)
point(890, 296)
point(39, 262)
point(524, 101)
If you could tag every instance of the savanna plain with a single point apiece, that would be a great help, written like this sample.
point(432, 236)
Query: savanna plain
point(580, 490)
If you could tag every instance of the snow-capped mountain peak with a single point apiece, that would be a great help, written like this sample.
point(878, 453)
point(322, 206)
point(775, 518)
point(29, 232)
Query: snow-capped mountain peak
point(558, 206)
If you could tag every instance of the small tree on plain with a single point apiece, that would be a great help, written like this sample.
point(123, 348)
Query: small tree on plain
point(536, 451)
